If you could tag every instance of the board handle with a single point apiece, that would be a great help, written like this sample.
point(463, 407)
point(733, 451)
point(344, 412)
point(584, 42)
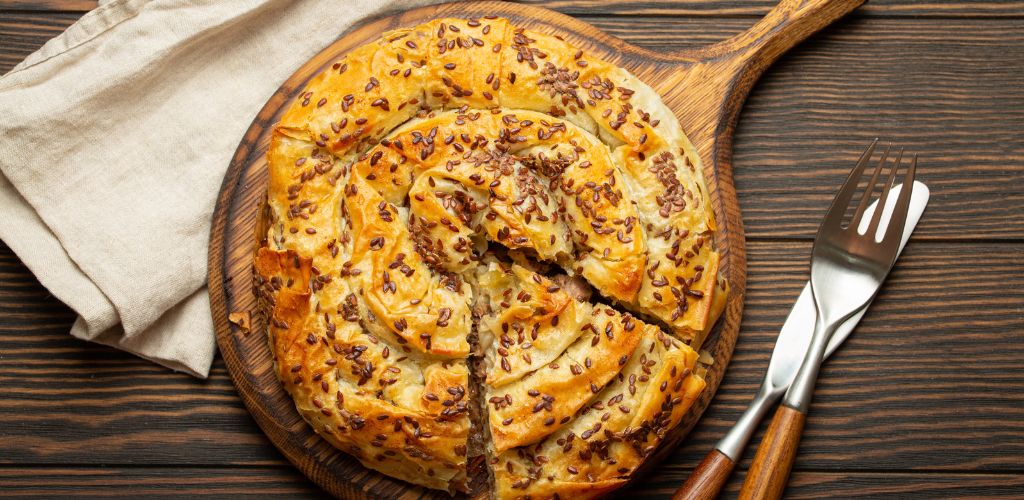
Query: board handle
point(721, 75)
point(787, 24)
point(712, 82)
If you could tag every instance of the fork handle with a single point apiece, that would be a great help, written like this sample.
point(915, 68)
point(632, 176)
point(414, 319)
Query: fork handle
point(773, 461)
point(770, 469)
point(708, 478)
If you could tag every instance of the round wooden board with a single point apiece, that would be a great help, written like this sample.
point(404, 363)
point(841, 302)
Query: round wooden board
point(705, 88)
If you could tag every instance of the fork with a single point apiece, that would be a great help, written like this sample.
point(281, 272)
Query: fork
point(847, 269)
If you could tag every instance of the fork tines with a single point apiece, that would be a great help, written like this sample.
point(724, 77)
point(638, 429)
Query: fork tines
point(845, 195)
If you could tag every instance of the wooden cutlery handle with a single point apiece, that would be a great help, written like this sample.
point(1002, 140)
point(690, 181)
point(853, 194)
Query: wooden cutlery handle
point(774, 459)
point(707, 479)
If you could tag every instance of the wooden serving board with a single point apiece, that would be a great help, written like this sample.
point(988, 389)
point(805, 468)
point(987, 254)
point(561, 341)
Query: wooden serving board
point(705, 88)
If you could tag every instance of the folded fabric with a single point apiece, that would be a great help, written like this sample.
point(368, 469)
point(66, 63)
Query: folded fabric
point(116, 135)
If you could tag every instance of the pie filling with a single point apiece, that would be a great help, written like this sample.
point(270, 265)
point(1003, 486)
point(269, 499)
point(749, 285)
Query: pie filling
point(488, 262)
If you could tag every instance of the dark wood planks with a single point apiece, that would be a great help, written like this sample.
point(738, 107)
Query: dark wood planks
point(21, 33)
point(159, 482)
point(866, 485)
point(734, 8)
point(79, 6)
point(940, 369)
point(956, 355)
point(929, 380)
point(943, 8)
point(170, 482)
point(66, 401)
point(953, 96)
point(220, 482)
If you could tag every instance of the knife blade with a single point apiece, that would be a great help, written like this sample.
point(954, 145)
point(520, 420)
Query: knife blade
point(796, 333)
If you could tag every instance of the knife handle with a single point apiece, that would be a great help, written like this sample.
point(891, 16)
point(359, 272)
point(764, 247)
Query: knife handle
point(707, 479)
point(770, 469)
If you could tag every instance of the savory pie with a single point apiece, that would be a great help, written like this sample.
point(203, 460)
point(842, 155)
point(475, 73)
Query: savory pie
point(489, 261)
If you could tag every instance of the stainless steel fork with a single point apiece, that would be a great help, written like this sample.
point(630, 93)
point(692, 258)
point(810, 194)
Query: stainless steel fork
point(847, 269)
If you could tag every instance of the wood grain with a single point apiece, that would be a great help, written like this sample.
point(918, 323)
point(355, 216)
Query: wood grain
point(916, 8)
point(159, 482)
point(80, 6)
point(919, 388)
point(733, 8)
point(707, 479)
point(717, 8)
point(773, 461)
point(287, 482)
point(21, 33)
point(947, 382)
point(936, 358)
point(815, 110)
point(871, 485)
point(934, 90)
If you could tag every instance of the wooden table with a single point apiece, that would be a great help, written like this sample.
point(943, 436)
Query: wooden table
point(925, 400)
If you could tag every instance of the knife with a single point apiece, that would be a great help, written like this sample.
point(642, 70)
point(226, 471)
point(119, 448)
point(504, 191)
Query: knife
point(712, 473)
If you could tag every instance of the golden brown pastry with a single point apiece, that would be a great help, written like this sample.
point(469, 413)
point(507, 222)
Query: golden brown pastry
point(484, 242)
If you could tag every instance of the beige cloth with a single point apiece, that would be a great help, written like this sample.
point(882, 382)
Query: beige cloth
point(115, 139)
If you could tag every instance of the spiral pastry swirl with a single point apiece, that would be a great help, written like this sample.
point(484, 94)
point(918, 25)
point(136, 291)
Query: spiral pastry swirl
point(489, 261)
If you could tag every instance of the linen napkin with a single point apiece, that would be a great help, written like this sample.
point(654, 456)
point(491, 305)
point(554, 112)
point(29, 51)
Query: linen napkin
point(114, 139)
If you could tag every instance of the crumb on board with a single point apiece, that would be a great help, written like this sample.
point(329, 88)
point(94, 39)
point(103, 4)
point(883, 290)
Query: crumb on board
point(242, 319)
